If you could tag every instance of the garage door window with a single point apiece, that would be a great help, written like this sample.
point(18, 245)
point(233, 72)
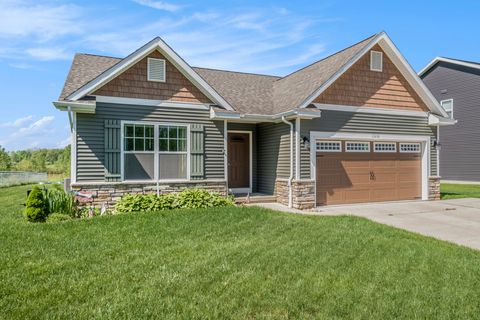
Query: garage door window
point(410, 147)
point(329, 146)
point(357, 146)
point(385, 147)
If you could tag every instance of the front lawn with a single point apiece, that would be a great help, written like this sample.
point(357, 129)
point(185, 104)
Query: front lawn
point(231, 263)
point(455, 191)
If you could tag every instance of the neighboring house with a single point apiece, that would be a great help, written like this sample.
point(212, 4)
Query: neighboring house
point(456, 85)
point(356, 126)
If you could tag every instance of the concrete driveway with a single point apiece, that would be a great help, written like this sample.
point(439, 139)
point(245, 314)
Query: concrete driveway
point(455, 220)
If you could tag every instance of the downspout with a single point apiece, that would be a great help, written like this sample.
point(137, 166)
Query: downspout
point(290, 178)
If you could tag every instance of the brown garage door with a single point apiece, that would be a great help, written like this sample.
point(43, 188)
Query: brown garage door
point(366, 176)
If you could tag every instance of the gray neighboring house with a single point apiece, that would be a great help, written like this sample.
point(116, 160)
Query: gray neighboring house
point(456, 85)
point(356, 126)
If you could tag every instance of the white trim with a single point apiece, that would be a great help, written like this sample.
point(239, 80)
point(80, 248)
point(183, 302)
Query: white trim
point(438, 151)
point(149, 102)
point(254, 118)
point(453, 61)
point(225, 150)
point(397, 59)
point(156, 151)
point(361, 151)
point(250, 150)
point(396, 112)
point(434, 120)
point(372, 53)
point(424, 140)
point(385, 151)
point(172, 56)
point(451, 111)
point(73, 150)
point(297, 149)
point(330, 141)
point(164, 79)
point(78, 107)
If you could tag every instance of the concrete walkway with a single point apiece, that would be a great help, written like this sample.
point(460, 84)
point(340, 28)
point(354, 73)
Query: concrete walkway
point(456, 220)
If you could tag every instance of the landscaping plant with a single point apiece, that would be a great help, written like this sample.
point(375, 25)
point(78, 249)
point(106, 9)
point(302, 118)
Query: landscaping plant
point(36, 207)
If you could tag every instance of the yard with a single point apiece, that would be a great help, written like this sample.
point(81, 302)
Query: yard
point(231, 263)
point(455, 191)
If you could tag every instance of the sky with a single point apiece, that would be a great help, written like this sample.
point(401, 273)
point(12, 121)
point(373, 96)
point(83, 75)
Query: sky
point(39, 38)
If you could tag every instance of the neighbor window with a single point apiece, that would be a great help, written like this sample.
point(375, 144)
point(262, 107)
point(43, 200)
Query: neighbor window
point(376, 61)
point(154, 152)
point(410, 147)
point(357, 146)
point(156, 70)
point(447, 105)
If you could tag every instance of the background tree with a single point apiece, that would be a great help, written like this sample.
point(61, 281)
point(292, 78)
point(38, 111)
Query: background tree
point(5, 161)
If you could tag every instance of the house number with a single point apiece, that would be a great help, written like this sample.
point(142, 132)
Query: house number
point(375, 136)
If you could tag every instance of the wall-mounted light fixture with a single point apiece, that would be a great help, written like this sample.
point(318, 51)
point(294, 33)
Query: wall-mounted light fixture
point(306, 142)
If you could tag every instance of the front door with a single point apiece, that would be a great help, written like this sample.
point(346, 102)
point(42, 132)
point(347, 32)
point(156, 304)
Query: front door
point(238, 160)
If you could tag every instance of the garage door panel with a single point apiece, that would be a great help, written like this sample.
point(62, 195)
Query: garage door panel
point(352, 177)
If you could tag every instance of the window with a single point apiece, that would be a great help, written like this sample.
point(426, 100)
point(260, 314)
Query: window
point(172, 159)
point(376, 61)
point(385, 147)
point(329, 146)
point(155, 152)
point(357, 146)
point(156, 70)
point(410, 147)
point(447, 105)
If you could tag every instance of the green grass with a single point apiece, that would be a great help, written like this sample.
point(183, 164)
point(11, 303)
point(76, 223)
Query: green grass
point(456, 191)
point(236, 263)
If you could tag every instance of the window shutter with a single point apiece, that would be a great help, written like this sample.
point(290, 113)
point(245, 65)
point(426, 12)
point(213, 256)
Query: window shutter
point(112, 150)
point(197, 153)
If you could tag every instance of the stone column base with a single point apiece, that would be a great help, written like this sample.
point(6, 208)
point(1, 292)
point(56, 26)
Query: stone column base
point(303, 193)
point(434, 188)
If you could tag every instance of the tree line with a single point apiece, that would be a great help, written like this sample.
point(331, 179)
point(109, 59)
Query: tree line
point(56, 161)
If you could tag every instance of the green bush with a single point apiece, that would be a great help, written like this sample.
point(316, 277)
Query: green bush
point(188, 199)
point(59, 201)
point(57, 217)
point(36, 207)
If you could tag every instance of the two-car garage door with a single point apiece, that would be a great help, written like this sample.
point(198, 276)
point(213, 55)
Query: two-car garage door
point(365, 171)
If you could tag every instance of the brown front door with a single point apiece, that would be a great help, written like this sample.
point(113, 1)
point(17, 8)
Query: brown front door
point(238, 160)
point(353, 177)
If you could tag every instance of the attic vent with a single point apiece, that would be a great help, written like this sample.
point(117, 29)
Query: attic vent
point(376, 61)
point(156, 70)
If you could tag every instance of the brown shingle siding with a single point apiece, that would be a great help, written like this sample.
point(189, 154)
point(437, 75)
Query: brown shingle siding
point(359, 86)
point(133, 83)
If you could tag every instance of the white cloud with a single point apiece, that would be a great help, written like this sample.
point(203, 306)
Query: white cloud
point(17, 123)
point(35, 127)
point(46, 54)
point(159, 5)
point(65, 142)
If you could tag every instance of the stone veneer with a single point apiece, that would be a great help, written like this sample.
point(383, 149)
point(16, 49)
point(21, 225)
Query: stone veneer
point(109, 193)
point(434, 188)
point(303, 193)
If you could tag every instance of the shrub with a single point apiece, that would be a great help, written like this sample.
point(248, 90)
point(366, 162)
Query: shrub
point(57, 217)
point(188, 199)
point(36, 207)
point(200, 198)
point(59, 201)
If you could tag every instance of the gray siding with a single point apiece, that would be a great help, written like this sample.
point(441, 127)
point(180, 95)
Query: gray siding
point(366, 123)
point(253, 129)
point(273, 155)
point(90, 136)
point(460, 153)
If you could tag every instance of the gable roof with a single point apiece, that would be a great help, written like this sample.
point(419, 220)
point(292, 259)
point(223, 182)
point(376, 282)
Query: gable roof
point(172, 56)
point(470, 64)
point(249, 93)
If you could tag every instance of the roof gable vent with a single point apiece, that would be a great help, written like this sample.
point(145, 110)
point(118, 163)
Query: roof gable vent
point(376, 61)
point(156, 70)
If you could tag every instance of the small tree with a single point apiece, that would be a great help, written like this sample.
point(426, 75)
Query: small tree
point(36, 208)
point(5, 161)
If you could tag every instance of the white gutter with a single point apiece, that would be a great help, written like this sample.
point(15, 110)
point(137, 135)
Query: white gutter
point(75, 106)
point(434, 120)
point(302, 113)
point(290, 178)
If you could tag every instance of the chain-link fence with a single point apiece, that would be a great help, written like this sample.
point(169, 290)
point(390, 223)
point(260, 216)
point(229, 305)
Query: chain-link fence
point(11, 178)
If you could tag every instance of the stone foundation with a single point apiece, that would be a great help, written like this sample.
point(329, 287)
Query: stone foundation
point(434, 188)
point(109, 193)
point(303, 193)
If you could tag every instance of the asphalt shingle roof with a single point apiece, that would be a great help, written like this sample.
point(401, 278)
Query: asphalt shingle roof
point(248, 93)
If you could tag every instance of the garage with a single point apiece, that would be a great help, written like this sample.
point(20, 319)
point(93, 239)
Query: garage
point(367, 171)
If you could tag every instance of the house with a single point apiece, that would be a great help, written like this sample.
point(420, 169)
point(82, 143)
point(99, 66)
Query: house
point(456, 85)
point(356, 126)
